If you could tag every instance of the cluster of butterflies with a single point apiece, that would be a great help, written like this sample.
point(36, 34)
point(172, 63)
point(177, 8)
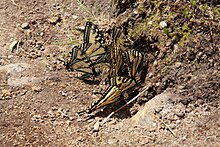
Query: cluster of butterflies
point(97, 55)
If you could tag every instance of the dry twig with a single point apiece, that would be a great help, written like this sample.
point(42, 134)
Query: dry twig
point(166, 126)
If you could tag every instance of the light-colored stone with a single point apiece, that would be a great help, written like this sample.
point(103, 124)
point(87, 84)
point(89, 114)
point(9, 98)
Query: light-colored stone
point(163, 24)
point(96, 126)
point(37, 88)
point(54, 19)
point(146, 116)
point(13, 45)
point(25, 25)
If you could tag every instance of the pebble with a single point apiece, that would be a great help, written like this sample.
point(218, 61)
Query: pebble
point(39, 44)
point(71, 118)
point(10, 57)
point(112, 141)
point(178, 64)
point(74, 16)
point(150, 22)
point(64, 93)
point(54, 19)
point(25, 25)
point(13, 45)
point(18, 82)
point(96, 126)
point(163, 24)
point(37, 118)
point(158, 109)
point(36, 88)
point(2, 61)
point(172, 126)
point(14, 68)
point(41, 34)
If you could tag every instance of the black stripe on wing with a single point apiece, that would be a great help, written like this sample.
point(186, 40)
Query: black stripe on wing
point(134, 59)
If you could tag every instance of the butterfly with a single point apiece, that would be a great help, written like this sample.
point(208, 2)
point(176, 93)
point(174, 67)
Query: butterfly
point(87, 57)
point(112, 93)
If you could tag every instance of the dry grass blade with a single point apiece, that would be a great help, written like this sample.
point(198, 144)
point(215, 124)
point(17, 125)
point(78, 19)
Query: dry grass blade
point(166, 126)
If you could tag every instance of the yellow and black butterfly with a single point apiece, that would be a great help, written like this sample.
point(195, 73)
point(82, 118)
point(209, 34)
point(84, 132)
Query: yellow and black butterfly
point(93, 37)
point(112, 93)
point(116, 55)
point(85, 58)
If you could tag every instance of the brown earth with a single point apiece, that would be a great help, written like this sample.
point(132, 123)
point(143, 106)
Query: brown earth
point(39, 99)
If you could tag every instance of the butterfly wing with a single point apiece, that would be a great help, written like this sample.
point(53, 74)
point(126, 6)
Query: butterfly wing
point(125, 83)
point(134, 60)
point(111, 95)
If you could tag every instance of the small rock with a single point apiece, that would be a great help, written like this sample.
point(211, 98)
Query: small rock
point(37, 118)
point(150, 22)
point(150, 75)
point(189, 108)
point(172, 126)
point(168, 43)
point(36, 88)
point(134, 109)
point(112, 141)
point(81, 28)
point(180, 114)
point(71, 118)
point(54, 108)
point(74, 16)
point(41, 34)
point(10, 57)
point(23, 92)
point(13, 45)
point(25, 25)
point(39, 44)
point(79, 120)
point(155, 63)
point(64, 93)
point(163, 24)
point(175, 118)
point(178, 64)
point(158, 109)
point(158, 84)
point(2, 61)
point(96, 126)
point(146, 116)
point(54, 19)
